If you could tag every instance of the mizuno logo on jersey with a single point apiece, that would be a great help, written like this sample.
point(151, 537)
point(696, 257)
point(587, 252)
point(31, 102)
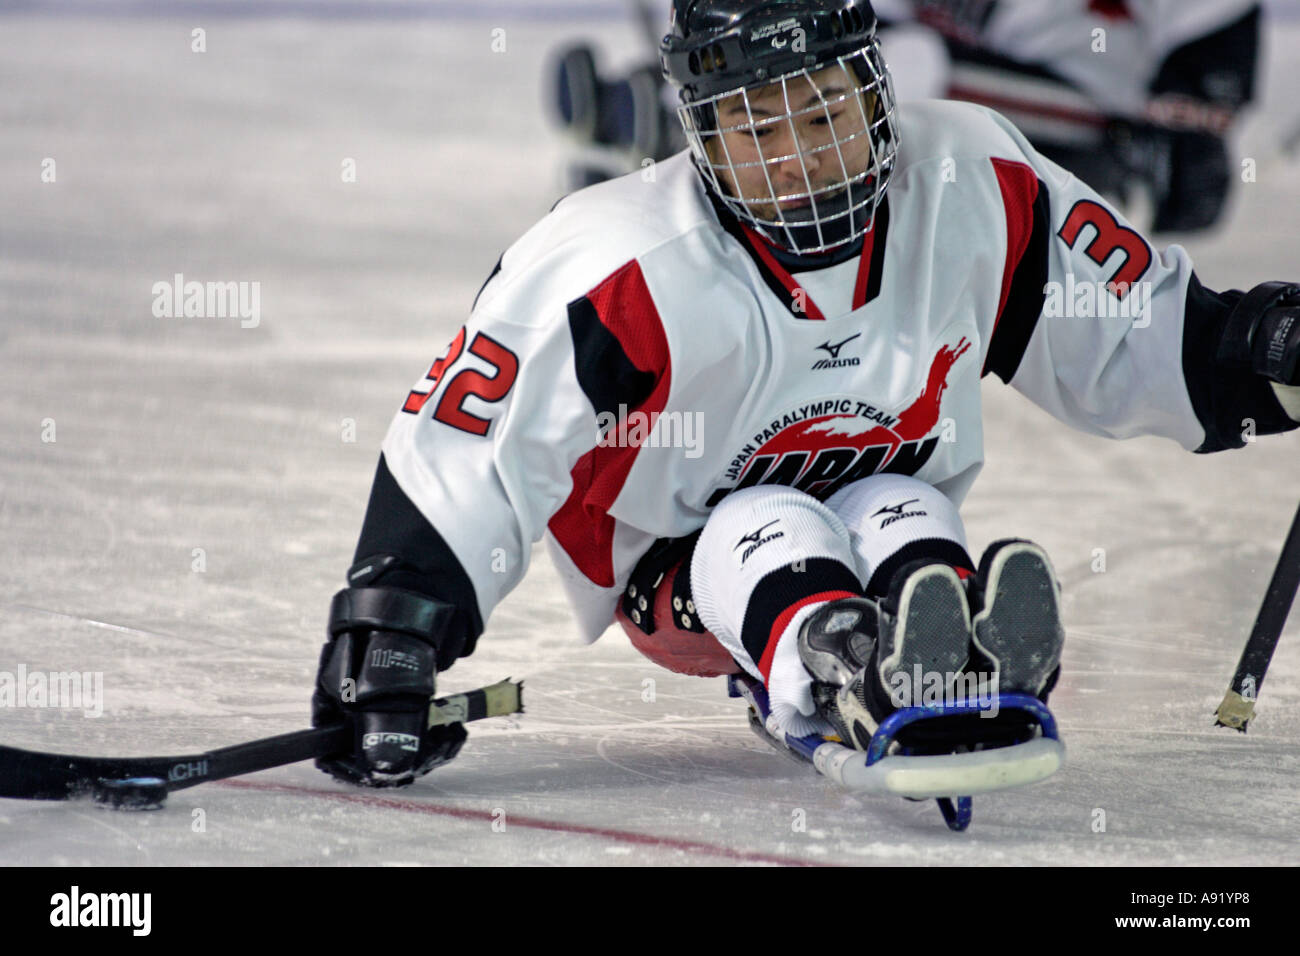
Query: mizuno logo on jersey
point(834, 352)
point(756, 540)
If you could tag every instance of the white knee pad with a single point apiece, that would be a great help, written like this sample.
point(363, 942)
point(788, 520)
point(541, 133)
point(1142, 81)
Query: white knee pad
point(750, 535)
point(895, 516)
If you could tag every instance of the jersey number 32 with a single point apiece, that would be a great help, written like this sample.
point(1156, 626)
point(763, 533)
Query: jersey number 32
point(467, 381)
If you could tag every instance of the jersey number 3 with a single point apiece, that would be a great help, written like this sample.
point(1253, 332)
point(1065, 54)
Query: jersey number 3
point(1110, 236)
point(467, 382)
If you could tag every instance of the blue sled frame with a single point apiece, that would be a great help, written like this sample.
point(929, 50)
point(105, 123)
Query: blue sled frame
point(951, 779)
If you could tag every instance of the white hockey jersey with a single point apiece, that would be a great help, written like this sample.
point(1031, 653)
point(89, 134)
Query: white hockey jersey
point(638, 355)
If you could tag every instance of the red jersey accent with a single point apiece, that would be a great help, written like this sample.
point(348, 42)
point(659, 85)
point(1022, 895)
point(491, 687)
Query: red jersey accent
point(583, 526)
point(1019, 186)
point(803, 301)
point(864, 269)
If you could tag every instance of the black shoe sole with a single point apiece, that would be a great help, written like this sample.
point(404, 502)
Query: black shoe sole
point(1019, 625)
point(927, 623)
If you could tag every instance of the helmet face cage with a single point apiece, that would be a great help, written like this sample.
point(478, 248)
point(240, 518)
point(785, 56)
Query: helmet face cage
point(809, 168)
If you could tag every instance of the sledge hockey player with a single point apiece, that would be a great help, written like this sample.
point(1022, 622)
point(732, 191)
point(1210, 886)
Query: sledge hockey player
point(1132, 96)
point(739, 395)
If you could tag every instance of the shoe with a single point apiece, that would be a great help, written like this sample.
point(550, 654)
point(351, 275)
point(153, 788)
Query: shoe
point(1017, 622)
point(927, 632)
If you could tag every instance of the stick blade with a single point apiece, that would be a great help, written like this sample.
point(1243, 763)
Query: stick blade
point(28, 775)
point(1235, 712)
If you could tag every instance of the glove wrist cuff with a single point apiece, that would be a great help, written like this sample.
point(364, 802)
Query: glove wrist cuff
point(389, 609)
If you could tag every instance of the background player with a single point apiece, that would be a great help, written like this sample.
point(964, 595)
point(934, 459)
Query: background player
point(1138, 98)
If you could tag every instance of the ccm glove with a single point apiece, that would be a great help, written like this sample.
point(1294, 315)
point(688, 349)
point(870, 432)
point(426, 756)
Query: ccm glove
point(377, 675)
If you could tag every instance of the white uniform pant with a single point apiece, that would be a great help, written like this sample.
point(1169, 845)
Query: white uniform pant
point(769, 556)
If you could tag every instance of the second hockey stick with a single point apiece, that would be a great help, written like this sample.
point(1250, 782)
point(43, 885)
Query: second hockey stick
point(1238, 706)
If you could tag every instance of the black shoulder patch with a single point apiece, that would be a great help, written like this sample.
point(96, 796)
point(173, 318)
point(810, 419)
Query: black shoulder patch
point(605, 372)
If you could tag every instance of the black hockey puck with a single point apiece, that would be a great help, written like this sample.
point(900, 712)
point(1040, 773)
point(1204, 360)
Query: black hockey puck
point(133, 793)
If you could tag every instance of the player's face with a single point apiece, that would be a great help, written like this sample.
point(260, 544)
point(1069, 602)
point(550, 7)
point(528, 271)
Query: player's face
point(783, 145)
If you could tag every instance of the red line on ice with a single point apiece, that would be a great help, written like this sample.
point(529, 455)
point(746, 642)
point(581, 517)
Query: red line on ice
point(533, 823)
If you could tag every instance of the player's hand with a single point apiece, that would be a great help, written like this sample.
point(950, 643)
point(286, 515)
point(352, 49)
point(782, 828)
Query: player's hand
point(1263, 333)
point(1280, 347)
point(1270, 316)
point(379, 683)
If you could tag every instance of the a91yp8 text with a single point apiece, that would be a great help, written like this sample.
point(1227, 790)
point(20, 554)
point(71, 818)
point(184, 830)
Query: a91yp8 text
point(1163, 899)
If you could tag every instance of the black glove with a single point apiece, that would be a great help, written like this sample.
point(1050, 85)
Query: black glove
point(1263, 332)
point(377, 674)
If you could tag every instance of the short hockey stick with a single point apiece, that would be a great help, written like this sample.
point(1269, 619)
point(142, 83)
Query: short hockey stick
point(1238, 706)
point(145, 781)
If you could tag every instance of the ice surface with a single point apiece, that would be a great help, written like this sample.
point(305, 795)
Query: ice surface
point(181, 434)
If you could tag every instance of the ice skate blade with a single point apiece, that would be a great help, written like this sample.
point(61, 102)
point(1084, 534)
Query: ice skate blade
point(947, 775)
